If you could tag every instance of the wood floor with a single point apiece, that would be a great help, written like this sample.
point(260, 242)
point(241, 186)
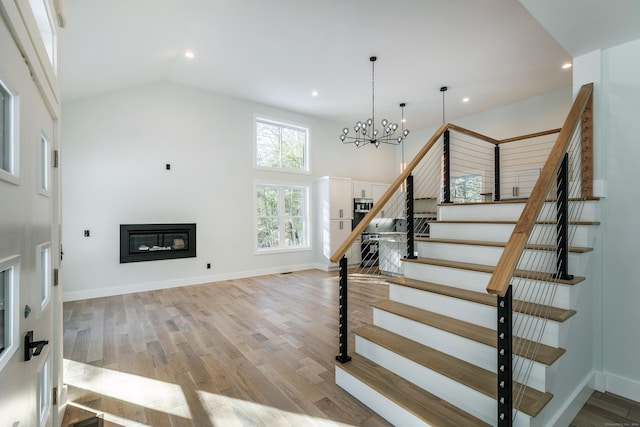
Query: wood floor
point(249, 352)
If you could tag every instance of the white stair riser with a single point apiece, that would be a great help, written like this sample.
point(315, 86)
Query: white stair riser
point(512, 211)
point(580, 235)
point(477, 281)
point(462, 348)
point(490, 255)
point(552, 333)
point(465, 398)
point(384, 407)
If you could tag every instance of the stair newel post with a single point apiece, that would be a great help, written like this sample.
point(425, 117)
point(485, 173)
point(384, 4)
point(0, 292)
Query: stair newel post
point(562, 225)
point(410, 223)
point(446, 152)
point(343, 335)
point(505, 366)
point(496, 173)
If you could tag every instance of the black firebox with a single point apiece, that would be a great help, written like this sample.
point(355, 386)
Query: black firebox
point(150, 242)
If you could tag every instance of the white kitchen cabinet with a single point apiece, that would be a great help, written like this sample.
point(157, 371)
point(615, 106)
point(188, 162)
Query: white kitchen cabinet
point(334, 207)
point(362, 190)
point(340, 198)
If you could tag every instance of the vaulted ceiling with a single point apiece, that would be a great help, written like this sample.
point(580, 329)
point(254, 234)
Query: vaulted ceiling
point(278, 52)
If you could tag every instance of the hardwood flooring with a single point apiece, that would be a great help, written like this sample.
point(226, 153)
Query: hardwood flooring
point(249, 352)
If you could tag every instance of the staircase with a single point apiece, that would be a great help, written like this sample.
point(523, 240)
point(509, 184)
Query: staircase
point(429, 358)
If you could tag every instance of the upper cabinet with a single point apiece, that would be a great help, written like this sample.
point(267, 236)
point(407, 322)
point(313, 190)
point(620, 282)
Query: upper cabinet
point(335, 195)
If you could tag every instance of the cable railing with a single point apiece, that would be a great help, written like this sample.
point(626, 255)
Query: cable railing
point(457, 165)
point(536, 257)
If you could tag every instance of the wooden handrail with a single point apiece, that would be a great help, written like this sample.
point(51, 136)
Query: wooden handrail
point(499, 281)
point(530, 135)
point(377, 207)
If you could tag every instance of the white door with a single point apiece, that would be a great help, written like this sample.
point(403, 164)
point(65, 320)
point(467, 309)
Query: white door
point(28, 247)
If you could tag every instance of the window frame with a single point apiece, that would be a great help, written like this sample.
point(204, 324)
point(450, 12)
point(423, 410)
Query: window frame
point(282, 217)
point(46, 26)
point(284, 124)
point(11, 264)
point(44, 267)
point(12, 175)
point(467, 175)
point(44, 187)
point(44, 398)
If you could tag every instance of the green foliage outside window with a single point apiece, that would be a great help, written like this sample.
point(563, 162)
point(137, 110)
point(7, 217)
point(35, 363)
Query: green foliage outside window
point(281, 146)
point(466, 188)
point(281, 217)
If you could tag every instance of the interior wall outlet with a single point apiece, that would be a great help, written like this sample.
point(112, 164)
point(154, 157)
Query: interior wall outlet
point(87, 233)
point(168, 166)
point(208, 266)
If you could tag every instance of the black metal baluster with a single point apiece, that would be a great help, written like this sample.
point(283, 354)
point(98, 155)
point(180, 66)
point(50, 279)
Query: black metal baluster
point(505, 367)
point(446, 151)
point(343, 336)
point(562, 226)
point(496, 173)
point(410, 223)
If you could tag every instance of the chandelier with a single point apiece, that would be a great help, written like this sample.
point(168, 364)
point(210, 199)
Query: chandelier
point(365, 131)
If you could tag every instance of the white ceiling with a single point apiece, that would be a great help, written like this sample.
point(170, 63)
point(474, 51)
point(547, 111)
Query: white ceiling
point(278, 51)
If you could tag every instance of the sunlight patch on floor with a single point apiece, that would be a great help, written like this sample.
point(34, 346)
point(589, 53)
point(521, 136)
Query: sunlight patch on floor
point(169, 398)
point(136, 390)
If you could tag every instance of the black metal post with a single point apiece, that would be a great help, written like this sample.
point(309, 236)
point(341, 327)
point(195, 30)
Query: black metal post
point(505, 366)
point(446, 151)
point(496, 173)
point(410, 223)
point(562, 225)
point(343, 337)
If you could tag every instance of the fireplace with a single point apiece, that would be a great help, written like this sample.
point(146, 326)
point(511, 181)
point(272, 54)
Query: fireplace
point(150, 242)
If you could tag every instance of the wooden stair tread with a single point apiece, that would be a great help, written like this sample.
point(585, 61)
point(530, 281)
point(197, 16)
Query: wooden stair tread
point(483, 268)
point(554, 313)
point(464, 221)
point(512, 201)
point(575, 249)
point(546, 354)
point(481, 380)
point(419, 402)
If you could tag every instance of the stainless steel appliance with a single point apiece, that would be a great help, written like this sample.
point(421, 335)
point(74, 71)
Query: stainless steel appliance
point(361, 207)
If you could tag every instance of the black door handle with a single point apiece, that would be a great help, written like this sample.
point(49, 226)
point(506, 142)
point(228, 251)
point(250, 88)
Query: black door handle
point(30, 345)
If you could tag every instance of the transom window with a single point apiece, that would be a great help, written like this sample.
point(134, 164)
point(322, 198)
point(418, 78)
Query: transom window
point(282, 146)
point(6, 158)
point(46, 27)
point(282, 217)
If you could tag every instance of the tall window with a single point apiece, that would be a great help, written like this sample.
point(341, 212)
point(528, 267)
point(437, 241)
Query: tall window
point(6, 161)
point(282, 146)
point(282, 217)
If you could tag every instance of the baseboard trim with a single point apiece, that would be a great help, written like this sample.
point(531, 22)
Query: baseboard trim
point(624, 387)
point(575, 402)
point(187, 281)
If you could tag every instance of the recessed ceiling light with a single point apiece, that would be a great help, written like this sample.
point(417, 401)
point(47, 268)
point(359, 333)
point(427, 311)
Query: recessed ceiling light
point(189, 54)
point(314, 93)
point(465, 99)
point(567, 65)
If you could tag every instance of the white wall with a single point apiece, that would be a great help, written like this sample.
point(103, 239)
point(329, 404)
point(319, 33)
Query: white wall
point(113, 167)
point(619, 107)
